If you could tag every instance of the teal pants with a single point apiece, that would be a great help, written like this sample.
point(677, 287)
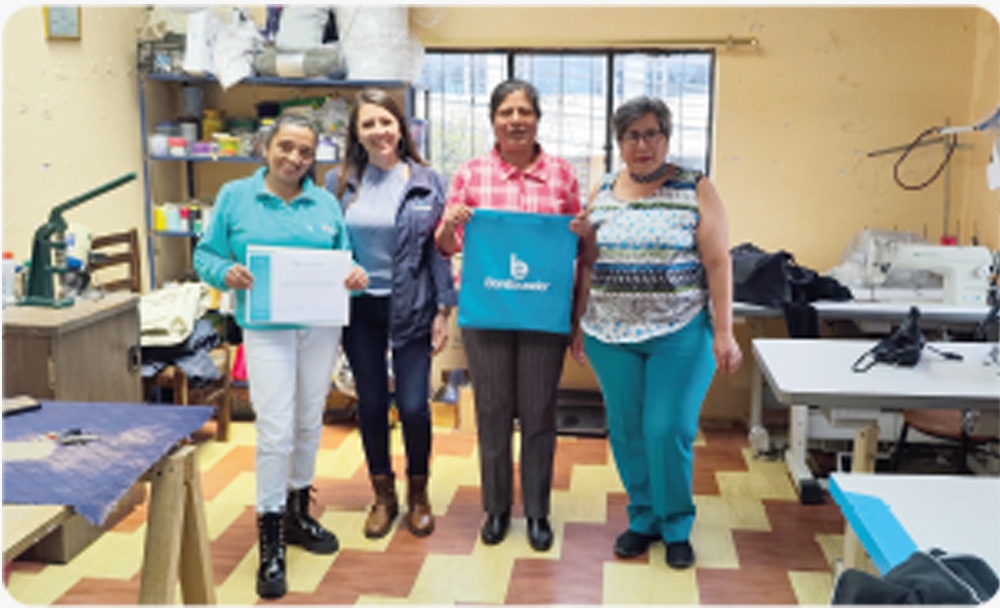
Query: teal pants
point(653, 392)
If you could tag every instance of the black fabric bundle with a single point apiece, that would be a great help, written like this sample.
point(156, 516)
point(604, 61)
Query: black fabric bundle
point(777, 281)
point(933, 577)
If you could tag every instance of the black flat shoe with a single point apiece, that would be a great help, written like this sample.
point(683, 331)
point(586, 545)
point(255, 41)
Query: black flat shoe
point(495, 528)
point(680, 555)
point(633, 544)
point(539, 533)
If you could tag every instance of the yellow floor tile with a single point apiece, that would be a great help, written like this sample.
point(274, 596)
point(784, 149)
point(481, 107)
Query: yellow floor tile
point(343, 462)
point(732, 512)
point(763, 481)
point(649, 584)
point(211, 452)
point(47, 585)
point(715, 546)
point(219, 515)
point(812, 588)
point(832, 546)
point(305, 570)
point(241, 491)
point(481, 578)
point(239, 588)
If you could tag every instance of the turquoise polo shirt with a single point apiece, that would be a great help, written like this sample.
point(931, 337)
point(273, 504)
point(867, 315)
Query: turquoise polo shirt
point(245, 213)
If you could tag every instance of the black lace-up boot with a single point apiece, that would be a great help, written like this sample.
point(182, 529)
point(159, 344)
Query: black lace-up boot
point(301, 529)
point(271, 573)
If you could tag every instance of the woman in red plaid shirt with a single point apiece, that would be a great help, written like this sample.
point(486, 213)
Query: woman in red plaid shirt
point(514, 373)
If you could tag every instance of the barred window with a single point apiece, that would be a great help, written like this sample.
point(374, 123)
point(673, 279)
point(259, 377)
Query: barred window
point(579, 92)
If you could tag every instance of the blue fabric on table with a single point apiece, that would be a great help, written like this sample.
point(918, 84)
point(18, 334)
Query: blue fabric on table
point(93, 477)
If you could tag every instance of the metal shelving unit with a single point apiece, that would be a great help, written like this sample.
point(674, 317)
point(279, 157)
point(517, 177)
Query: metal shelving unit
point(166, 176)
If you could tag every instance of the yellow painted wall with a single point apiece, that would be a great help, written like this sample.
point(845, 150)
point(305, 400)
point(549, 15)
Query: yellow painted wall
point(70, 122)
point(795, 117)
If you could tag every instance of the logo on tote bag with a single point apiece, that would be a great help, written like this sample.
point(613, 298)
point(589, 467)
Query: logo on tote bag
point(517, 272)
point(518, 268)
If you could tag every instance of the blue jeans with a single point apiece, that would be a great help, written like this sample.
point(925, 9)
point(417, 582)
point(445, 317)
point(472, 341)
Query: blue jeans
point(366, 343)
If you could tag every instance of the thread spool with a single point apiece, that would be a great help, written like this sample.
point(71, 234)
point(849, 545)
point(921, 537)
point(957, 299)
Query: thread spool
point(159, 218)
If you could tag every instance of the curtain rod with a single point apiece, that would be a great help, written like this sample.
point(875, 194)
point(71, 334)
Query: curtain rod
point(728, 41)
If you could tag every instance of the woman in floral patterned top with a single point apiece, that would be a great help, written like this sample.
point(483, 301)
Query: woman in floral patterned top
point(656, 322)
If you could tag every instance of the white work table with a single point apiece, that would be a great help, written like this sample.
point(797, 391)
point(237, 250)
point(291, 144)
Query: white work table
point(863, 310)
point(885, 314)
point(818, 372)
point(894, 515)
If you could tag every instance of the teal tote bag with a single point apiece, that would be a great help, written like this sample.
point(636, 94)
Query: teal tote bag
point(517, 272)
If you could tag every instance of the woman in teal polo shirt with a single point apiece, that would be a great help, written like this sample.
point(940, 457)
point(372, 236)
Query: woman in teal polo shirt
point(288, 366)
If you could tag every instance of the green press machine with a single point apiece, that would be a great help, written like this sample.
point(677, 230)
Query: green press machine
point(46, 277)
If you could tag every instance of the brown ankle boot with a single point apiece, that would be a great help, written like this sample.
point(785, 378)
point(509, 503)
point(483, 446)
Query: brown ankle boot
point(419, 520)
point(386, 506)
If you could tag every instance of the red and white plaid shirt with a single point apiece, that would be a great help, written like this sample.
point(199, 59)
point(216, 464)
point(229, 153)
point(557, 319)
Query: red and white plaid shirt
point(547, 186)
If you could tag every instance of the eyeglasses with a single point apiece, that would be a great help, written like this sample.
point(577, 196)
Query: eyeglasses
point(648, 137)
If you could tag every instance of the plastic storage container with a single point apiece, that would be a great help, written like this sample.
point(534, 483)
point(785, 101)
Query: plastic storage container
point(9, 278)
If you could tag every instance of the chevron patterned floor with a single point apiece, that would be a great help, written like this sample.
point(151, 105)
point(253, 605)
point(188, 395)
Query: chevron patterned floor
point(755, 543)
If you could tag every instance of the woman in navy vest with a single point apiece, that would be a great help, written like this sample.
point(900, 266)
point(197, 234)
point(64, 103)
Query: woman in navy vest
point(392, 203)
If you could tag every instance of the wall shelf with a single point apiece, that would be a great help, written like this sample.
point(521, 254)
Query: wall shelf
point(180, 179)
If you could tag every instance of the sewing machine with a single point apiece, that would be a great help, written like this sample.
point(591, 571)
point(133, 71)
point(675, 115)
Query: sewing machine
point(964, 270)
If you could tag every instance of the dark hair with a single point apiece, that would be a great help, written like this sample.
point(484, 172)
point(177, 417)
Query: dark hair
point(355, 155)
point(513, 85)
point(637, 107)
point(294, 119)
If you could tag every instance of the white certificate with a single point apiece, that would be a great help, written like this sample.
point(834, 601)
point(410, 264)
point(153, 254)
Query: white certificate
point(298, 286)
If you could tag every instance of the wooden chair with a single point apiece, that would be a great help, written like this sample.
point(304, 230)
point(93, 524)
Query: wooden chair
point(114, 250)
point(116, 255)
point(948, 424)
point(218, 393)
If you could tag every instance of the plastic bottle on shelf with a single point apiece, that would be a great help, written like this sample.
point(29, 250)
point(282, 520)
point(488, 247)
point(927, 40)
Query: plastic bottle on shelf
point(196, 226)
point(211, 123)
point(160, 218)
point(263, 132)
point(9, 278)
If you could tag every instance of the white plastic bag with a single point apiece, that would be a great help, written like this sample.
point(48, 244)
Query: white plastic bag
point(377, 44)
point(202, 29)
point(301, 27)
point(235, 47)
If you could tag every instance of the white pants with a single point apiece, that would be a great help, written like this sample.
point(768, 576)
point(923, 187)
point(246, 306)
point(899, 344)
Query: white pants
point(289, 373)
